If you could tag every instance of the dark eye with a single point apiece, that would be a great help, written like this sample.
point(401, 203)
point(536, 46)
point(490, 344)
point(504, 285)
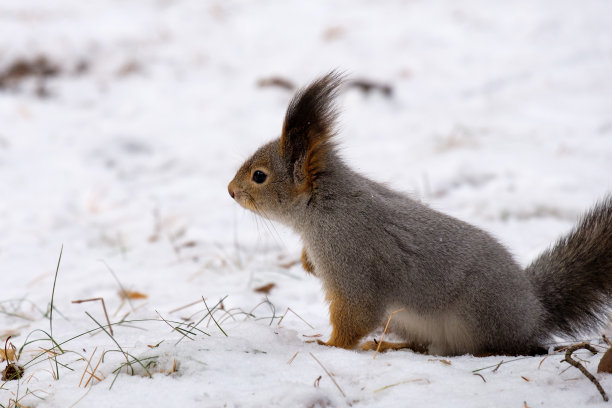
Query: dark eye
point(259, 176)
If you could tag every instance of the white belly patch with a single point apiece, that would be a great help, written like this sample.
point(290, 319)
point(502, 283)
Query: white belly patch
point(444, 333)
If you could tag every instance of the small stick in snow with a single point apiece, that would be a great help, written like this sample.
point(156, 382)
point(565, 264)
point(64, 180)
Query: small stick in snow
point(110, 327)
point(330, 376)
point(568, 358)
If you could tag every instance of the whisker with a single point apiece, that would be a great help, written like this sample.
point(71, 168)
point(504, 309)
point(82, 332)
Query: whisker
point(268, 223)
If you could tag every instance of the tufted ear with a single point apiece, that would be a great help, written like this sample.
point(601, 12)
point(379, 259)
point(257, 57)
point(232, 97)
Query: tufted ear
point(308, 129)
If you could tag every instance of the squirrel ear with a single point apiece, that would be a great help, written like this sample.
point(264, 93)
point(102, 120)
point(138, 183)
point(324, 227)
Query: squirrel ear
point(308, 129)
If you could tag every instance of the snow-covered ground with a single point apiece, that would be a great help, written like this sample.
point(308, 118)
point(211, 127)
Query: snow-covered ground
point(501, 114)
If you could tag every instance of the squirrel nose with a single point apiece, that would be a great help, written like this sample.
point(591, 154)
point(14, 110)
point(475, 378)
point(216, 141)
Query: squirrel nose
point(231, 192)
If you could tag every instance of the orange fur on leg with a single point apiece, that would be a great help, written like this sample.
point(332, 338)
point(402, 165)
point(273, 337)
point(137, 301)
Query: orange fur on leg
point(350, 322)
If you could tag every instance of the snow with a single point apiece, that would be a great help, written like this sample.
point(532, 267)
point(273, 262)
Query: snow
point(501, 115)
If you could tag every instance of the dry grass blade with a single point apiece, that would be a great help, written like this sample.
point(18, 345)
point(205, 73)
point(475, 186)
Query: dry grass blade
point(197, 302)
point(263, 302)
point(121, 288)
point(93, 373)
point(293, 358)
point(385, 331)
point(114, 340)
point(88, 365)
point(195, 326)
point(101, 300)
point(480, 375)
point(329, 375)
point(300, 317)
point(183, 332)
point(213, 317)
point(400, 383)
point(496, 366)
point(568, 358)
point(59, 261)
point(80, 399)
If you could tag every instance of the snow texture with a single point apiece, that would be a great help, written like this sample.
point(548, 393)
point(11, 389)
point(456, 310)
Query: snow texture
point(501, 115)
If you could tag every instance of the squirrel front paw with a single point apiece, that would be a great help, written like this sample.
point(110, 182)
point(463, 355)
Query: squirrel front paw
point(330, 343)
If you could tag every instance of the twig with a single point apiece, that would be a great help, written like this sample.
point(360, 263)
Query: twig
point(110, 327)
point(568, 358)
point(330, 376)
point(385, 331)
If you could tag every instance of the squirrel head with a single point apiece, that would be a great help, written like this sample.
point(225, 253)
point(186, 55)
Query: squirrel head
point(284, 173)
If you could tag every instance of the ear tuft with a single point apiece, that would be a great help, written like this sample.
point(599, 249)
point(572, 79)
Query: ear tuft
point(309, 127)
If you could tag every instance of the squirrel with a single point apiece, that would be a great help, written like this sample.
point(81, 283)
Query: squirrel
point(453, 287)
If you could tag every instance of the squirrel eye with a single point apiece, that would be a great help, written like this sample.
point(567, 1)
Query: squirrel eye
point(259, 176)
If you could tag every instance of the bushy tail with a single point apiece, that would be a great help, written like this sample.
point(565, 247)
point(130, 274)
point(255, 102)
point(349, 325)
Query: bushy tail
point(573, 279)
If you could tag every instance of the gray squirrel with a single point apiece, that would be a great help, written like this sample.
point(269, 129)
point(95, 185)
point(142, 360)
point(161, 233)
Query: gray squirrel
point(455, 288)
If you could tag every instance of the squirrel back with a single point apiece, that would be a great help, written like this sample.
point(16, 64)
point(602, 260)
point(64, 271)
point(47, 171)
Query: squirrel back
point(454, 288)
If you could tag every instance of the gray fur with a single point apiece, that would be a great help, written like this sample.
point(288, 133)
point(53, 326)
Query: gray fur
point(462, 292)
